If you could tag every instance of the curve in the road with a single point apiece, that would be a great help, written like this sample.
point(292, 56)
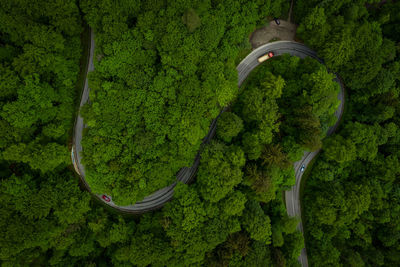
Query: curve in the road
point(292, 197)
point(185, 175)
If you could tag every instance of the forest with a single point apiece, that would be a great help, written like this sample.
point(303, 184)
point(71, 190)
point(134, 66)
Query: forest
point(163, 71)
point(351, 199)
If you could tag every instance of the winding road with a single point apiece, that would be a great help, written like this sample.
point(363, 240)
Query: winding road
point(151, 202)
point(292, 196)
point(160, 197)
point(295, 49)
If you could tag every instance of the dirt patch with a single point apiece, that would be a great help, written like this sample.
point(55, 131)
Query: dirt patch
point(286, 31)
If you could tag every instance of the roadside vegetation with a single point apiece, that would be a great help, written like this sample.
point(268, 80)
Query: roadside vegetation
point(351, 198)
point(163, 71)
point(42, 208)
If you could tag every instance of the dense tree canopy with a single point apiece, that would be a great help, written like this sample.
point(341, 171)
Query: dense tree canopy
point(350, 199)
point(286, 105)
point(164, 71)
point(43, 211)
point(40, 50)
point(231, 215)
point(45, 218)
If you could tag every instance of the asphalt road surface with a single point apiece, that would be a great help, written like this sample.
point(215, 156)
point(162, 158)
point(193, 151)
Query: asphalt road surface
point(244, 68)
point(151, 202)
point(160, 197)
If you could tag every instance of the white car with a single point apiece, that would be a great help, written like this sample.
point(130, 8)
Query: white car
point(303, 167)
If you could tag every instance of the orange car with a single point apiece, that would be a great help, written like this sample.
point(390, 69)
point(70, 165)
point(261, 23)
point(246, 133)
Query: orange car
point(265, 57)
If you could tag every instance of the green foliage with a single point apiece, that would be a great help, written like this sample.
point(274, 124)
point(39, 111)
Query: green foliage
point(192, 216)
point(45, 214)
point(39, 157)
point(306, 127)
point(191, 19)
point(350, 195)
point(165, 72)
point(282, 116)
point(229, 126)
point(339, 48)
point(38, 73)
point(196, 226)
point(220, 171)
point(340, 149)
point(258, 107)
point(315, 21)
point(144, 249)
point(256, 223)
point(274, 156)
point(234, 204)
